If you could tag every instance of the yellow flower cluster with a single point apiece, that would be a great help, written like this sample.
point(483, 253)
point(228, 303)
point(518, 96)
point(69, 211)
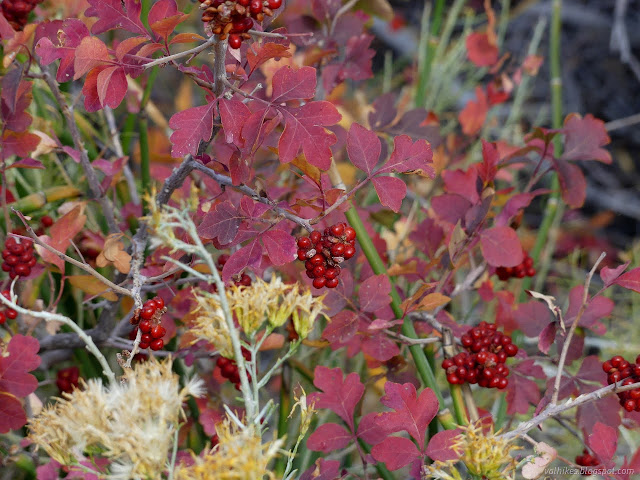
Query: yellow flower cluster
point(239, 455)
point(132, 423)
point(486, 455)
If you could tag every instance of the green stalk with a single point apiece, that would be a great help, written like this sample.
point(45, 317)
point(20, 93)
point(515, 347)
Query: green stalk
point(382, 470)
point(458, 404)
point(143, 126)
point(126, 137)
point(431, 40)
point(554, 205)
point(283, 413)
point(408, 330)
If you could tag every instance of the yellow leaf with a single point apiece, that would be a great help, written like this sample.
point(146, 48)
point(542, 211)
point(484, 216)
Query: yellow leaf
point(433, 301)
point(404, 269)
point(379, 8)
point(311, 171)
point(92, 286)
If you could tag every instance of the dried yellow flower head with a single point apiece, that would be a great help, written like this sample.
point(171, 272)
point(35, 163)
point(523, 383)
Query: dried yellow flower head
point(240, 454)
point(132, 423)
point(486, 455)
point(209, 323)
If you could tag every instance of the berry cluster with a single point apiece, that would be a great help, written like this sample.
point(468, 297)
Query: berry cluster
point(234, 18)
point(229, 368)
point(322, 253)
point(17, 11)
point(483, 362)
point(241, 280)
point(148, 319)
point(617, 368)
point(9, 313)
point(587, 460)
point(45, 222)
point(18, 257)
point(67, 379)
point(525, 269)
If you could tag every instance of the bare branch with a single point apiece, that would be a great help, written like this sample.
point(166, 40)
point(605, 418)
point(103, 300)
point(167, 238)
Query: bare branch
point(194, 51)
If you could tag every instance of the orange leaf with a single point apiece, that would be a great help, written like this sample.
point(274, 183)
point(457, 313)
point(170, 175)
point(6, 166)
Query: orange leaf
point(113, 252)
point(92, 286)
point(433, 301)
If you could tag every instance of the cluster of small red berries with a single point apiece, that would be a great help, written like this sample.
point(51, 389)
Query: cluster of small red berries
point(67, 379)
point(322, 253)
point(587, 460)
point(148, 319)
point(483, 362)
point(45, 222)
point(9, 313)
point(17, 11)
point(234, 18)
point(617, 368)
point(525, 269)
point(19, 257)
point(242, 280)
point(229, 368)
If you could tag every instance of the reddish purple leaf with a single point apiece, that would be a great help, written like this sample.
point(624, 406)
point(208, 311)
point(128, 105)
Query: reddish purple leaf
point(391, 191)
point(481, 51)
point(304, 130)
point(12, 414)
point(221, 223)
point(572, 183)
point(463, 183)
point(191, 126)
point(547, 337)
point(363, 147)
point(610, 275)
point(440, 447)
point(91, 53)
point(501, 247)
point(355, 66)
point(112, 86)
point(490, 159)
point(380, 347)
point(20, 144)
point(6, 30)
point(329, 437)
point(412, 414)
point(281, 246)
point(521, 393)
point(532, 317)
point(290, 84)
point(90, 90)
point(408, 156)
point(61, 44)
point(116, 14)
point(584, 139)
point(338, 394)
point(591, 370)
point(395, 452)
point(322, 470)
point(596, 309)
point(27, 163)
point(233, 114)
point(374, 293)
point(630, 280)
point(369, 429)
point(450, 207)
point(22, 358)
point(341, 328)
point(247, 256)
point(605, 410)
point(258, 54)
point(515, 204)
point(164, 17)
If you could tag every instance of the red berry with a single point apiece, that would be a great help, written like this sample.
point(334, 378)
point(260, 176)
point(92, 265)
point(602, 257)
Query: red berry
point(143, 345)
point(629, 405)
point(315, 237)
point(519, 272)
point(11, 260)
point(349, 251)
point(319, 271)
point(527, 262)
point(11, 314)
point(504, 382)
point(22, 270)
point(304, 243)
point(338, 250)
point(617, 360)
point(332, 272)
point(2, 318)
point(157, 344)
point(531, 272)
point(158, 331)
point(302, 254)
point(332, 283)
point(447, 363)
point(145, 326)
point(317, 259)
point(453, 379)
point(46, 221)
point(349, 234)
point(274, 4)
point(511, 350)
point(319, 282)
point(337, 229)
point(147, 313)
point(145, 338)
point(222, 259)
point(159, 303)
point(255, 6)
point(229, 370)
point(235, 41)
point(16, 248)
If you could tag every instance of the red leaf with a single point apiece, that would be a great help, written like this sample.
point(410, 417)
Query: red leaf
point(440, 447)
point(356, 64)
point(395, 452)
point(450, 207)
point(341, 328)
point(62, 45)
point(112, 86)
point(374, 293)
point(12, 415)
point(290, 84)
point(303, 129)
point(116, 14)
point(521, 392)
point(412, 414)
point(490, 159)
point(247, 256)
point(91, 53)
point(281, 246)
point(221, 223)
point(480, 50)
point(379, 347)
point(473, 115)
point(532, 317)
point(572, 183)
point(408, 156)
point(6, 30)
point(501, 247)
point(27, 163)
point(391, 191)
point(630, 280)
point(584, 138)
point(191, 126)
point(90, 91)
point(322, 470)
point(329, 437)
point(259, 54)
point(463, 183)
point(164, 17)
point(65, 228)
point(605, 410)
point(610, 275)
point(19, 144)
point(363, 147)
point(369, 430)
point(234, 115)
point(338, 394)
point(22, 358)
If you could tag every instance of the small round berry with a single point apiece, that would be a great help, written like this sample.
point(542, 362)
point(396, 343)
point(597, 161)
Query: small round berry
point(304, 243)
point(11, 260)
point(317, 259)
point(159, 303)
point(527, 262)
point(349, 251)
point(145, 338)
point(302, 254)
point(337, 229)
point(143, 345)
point(453, 379)
point(235, 40)
point(617, 360)
point(46, 221)
point(319, 282)
point(158, 331)
point(319, 271)
point(2, 318)
point(504, 382)
point(22, 270)
point(338, 250)
point(255, 7)
point(332, 272)
point(332, 283)
point(519, 272)
point(222, 259)
point(145, 326)
point(310, 274)
point(447, 363)
point(229, 369)
point(245, 280)
point(11, 314)
point(531, 272)
point(511, 349)
point(274, 4)
point(147, 313)
point(315, 237)
point(629, 405)
point(157, 344)
point(349, 234)
point(17, 248)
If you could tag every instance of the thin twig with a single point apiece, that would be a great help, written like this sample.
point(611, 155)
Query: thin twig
point(574, 325)
point(117, 146)
point(194, 51)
